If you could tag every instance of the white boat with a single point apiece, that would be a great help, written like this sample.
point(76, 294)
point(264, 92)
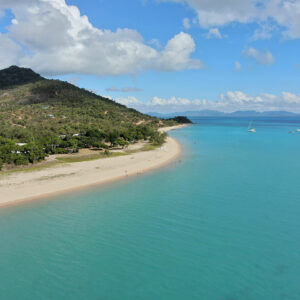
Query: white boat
point(250, 128)
point(298, 130)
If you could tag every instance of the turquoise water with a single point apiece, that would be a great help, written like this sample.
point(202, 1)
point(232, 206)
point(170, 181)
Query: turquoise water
point(220, 223)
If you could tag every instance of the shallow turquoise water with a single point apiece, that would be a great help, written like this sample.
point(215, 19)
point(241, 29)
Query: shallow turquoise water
point(220, 223)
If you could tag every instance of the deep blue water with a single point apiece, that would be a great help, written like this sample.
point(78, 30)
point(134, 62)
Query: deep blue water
point(222, 222)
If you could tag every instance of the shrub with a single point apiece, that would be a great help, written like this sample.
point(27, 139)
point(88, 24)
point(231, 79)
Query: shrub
point(21, 160)
point(60, 151)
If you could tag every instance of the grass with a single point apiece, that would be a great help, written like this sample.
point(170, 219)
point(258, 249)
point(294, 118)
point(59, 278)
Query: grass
point(74, 159)
point(59, 161)
point(113, 154)
point(150, 147)
point(55, 176)
point(29, 168)
point(70, 159)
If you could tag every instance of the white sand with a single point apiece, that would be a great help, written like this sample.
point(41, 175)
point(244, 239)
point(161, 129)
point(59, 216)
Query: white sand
point(21, 186)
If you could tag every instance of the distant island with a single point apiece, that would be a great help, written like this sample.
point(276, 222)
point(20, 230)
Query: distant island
point(40, 117)
point(215, 113)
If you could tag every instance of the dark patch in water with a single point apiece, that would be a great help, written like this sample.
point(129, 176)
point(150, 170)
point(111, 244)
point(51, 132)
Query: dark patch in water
point(230, 298)
point(281, 269)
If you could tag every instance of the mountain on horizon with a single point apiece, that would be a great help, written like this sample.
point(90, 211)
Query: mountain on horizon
point(215, 113)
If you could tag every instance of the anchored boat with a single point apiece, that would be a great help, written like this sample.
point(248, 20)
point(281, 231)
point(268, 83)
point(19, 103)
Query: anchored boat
point(251, 128)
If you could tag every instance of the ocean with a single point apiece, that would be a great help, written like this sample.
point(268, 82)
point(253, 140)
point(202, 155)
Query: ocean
point(221, 222)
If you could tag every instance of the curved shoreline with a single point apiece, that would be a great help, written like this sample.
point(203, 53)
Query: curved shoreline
point(20, 187)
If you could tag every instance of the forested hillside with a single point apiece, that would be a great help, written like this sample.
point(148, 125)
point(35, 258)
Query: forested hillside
point(39, 117)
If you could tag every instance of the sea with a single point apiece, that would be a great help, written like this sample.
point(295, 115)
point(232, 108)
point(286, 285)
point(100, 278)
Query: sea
point(222, 222)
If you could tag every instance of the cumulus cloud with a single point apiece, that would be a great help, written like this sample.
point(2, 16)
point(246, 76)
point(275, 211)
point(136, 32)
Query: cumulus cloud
point(214, 33)
point(216, 13)
point(228, 102)
point(291, 98)
point(170, 60)
point(263, 58)
point(129, 101)
point(240, 98)
point(10, 52)
point(155, 43)
point(286, 14)
point(57, 40)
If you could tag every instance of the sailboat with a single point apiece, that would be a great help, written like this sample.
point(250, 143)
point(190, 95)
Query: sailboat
point(250, 128)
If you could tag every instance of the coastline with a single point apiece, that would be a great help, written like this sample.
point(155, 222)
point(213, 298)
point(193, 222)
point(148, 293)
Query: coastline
point(25, 186)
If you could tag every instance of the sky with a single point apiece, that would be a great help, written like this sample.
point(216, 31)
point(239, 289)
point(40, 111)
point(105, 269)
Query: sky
point(162, 55)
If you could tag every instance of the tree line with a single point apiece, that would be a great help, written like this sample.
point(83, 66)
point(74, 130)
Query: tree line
point(35, 150)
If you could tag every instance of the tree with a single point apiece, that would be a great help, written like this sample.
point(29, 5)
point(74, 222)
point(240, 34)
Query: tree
point(21, 160)
point(34, 152)
point(112, 138)
point(181, 120)
point(95, 133)
point(121, 142)
point(158, 138)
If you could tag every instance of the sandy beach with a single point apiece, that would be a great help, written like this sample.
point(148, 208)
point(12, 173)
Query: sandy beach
point(24, 186)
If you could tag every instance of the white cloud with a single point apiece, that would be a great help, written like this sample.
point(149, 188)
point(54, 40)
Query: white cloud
point(74, 79)
point(156, 101)
point(264, 32)
point(263, 58)
point(155, 43)
point(228, 102)
point(216, 13)
point(291, 98)
point(186, 23)
point(59, 40)
point(239, 97)
point(129, 101)
point(286, 13)
point(237, 66)
point(181, 44)
point(214, 33)
point(123, 90)
point(10, 52)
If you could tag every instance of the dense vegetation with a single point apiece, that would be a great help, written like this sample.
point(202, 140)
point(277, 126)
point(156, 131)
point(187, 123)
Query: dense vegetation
point(39, 117)
point(180, 120)
point(16, 76)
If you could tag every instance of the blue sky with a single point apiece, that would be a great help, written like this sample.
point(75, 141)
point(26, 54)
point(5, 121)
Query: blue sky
point(162, 55)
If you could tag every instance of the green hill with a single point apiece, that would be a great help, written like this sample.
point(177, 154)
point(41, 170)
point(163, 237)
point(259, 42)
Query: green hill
point(39, 116)
point(17, 76)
